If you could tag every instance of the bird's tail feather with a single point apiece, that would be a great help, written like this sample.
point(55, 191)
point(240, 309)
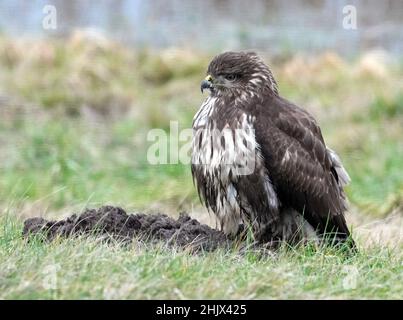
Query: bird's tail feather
point(344, 178)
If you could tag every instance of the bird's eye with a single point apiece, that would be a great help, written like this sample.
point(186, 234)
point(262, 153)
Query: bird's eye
point(231, 77)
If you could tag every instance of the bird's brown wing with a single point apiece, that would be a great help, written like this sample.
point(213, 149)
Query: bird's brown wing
point(299, 165)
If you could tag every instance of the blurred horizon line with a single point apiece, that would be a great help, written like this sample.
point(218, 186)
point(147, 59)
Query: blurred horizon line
point(270, 25)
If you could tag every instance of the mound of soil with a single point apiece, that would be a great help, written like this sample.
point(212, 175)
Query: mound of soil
point(114, 223)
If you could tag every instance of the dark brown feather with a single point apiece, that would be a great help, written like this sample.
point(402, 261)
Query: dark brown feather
point(305, 180)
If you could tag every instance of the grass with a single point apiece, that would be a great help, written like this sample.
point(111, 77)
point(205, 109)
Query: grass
point(85, 268)
point(74, 119)
point(115, 169)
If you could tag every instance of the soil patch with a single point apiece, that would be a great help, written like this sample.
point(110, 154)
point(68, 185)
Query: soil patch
point(114, 223)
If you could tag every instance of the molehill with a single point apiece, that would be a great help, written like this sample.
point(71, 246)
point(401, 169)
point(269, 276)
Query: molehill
point(114, 223)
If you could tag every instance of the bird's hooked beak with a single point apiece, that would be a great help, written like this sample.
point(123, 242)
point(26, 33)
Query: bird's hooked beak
point(207, 83)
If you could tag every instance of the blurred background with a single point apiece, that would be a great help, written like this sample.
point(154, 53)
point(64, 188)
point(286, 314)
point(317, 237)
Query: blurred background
point(77, 99)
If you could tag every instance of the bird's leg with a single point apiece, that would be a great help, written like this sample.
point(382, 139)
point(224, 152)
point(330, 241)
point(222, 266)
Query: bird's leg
point(241, 233)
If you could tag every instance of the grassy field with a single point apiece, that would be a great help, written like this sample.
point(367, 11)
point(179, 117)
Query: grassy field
point(74, 118)
point(87, 268)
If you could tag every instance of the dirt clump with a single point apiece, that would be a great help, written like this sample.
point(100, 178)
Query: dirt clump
point(114, 223)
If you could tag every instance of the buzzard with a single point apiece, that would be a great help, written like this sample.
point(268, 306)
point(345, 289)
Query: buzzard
point(260, 161)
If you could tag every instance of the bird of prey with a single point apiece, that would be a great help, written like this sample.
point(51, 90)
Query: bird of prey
point(260, 161)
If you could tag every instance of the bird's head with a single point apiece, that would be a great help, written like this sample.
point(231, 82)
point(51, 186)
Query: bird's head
point(236, 72)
